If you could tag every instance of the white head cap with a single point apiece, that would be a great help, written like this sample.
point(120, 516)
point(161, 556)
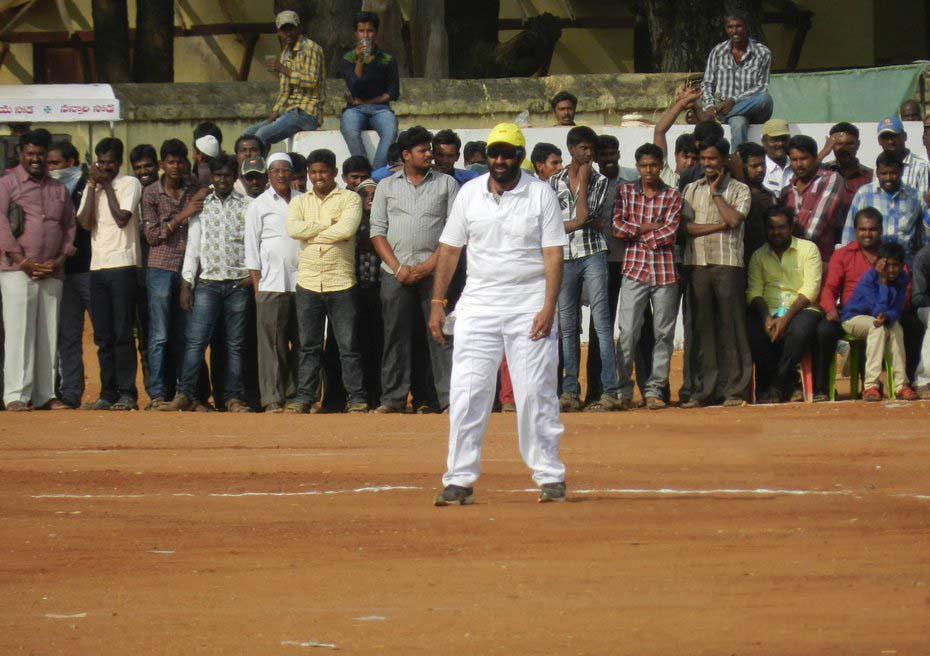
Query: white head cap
point(208, 145)
point(279, 157)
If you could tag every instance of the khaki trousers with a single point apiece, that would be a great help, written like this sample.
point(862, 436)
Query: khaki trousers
point(877, 339)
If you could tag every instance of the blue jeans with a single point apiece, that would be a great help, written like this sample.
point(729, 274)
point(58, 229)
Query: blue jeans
point(216, 300)
point(285, 126)
point(166, 331)
point(757, 108)
point(313, 308)
point(379, 118)
point(590, 271)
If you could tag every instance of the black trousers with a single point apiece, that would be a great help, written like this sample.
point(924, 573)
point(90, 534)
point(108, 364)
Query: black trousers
point(776, 362)
point(113, 304)
point(724, 359)
point(829, 333)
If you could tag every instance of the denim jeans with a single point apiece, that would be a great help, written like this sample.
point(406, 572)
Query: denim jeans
point(757, 108)
point(166, 332)
point(75, 301)
point(216, 300)
point(379, 118)
point(283, 127)
point(590, 271)
point(313, 308)
point(634, 297)
point(113, 306)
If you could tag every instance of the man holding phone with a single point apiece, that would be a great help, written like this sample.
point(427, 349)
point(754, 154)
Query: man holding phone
point(372, 82)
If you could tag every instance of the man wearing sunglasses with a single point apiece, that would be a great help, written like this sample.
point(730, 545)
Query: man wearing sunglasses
point(512, 224)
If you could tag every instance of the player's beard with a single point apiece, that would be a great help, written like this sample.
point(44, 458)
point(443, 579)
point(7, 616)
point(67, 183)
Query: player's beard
point(508, 176)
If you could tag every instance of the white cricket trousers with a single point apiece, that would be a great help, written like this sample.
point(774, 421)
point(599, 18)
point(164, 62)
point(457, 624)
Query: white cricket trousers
point(30, 321)
point(480, 343)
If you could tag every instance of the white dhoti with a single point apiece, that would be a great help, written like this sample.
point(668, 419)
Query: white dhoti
point(480, 343)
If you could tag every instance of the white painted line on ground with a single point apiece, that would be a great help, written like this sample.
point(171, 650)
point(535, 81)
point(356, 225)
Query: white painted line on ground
point(56, 616)
point(308, 643)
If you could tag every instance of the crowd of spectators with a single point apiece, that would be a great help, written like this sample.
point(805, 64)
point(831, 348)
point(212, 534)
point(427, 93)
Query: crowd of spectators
point(313, 296)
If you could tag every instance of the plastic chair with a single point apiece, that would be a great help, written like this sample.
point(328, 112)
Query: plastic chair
point(856, 357)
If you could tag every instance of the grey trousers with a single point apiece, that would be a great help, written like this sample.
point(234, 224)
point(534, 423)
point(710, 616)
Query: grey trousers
point(75, 302)
point(634, 296)
point(398, 303)
point(278, 346)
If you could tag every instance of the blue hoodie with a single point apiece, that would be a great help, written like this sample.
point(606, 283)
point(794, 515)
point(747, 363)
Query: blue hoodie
point(872, 298)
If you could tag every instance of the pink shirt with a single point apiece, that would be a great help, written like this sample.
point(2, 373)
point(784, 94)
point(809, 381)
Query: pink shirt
point(48, 226)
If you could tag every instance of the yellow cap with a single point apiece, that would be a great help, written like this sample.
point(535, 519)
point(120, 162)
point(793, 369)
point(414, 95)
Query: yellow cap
point(507, 133)
point(776, 127)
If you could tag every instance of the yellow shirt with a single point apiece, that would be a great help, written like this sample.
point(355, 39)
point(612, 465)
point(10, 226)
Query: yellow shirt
point(780, 281)
point(326, 230)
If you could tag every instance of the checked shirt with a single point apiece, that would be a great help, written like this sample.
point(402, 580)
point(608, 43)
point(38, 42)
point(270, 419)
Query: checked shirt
point(727, 79)
point(650, 257)
point(587, 240)
point(816, 209)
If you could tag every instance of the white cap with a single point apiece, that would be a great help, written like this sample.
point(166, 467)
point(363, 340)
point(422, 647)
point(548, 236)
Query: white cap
point(208, 145)
point(279, 157)
point(287, 17)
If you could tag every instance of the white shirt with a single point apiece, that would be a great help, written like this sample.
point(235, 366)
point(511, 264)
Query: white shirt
point(505, 242)
point(112, 247)
point(777, 177)
point(268, 248)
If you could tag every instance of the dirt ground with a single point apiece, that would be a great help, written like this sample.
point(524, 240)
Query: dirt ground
point(799, 529)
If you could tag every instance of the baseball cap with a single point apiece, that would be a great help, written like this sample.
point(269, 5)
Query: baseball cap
point(890, 124)
point(507, 133)
point(253, 165)
point(287, 17)
point(776, 127)
point(208, 145)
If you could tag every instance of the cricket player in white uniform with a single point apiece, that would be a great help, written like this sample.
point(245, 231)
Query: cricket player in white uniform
point(513, 227)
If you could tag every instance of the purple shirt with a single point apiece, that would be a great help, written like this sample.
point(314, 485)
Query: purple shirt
point(48, 226)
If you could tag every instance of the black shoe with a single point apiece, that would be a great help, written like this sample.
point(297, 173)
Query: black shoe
point(455, 494)
point(552, 492)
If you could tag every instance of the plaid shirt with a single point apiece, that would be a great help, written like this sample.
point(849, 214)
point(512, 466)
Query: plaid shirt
point(916, 174)
point(902, 214)
point(816, 209)
point(720, 248)
point(166, 249)
point(587, 240)
point(302, 87)
point(650, 257)
point(725, 78)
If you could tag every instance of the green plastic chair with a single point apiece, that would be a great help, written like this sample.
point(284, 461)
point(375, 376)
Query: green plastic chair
point(856, 357)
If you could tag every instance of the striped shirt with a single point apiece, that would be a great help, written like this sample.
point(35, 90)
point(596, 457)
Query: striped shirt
point(302, 86)
point(587, 240)
point(411, 217)
point(902, 213)
point(816, 209)
point(916, 174)
point(650, 257)
point(722, 248)
point(726, 79)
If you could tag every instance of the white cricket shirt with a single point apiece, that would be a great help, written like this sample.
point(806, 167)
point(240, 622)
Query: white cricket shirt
point(505, 242)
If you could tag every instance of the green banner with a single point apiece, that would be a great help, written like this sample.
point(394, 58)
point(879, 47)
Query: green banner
point(861, 94)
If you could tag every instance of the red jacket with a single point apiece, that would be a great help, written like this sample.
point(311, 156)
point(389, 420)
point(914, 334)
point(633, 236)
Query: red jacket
point(847, 266)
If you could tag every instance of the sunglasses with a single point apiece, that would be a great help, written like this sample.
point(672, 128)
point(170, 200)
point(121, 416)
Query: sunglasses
point(503, 152)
